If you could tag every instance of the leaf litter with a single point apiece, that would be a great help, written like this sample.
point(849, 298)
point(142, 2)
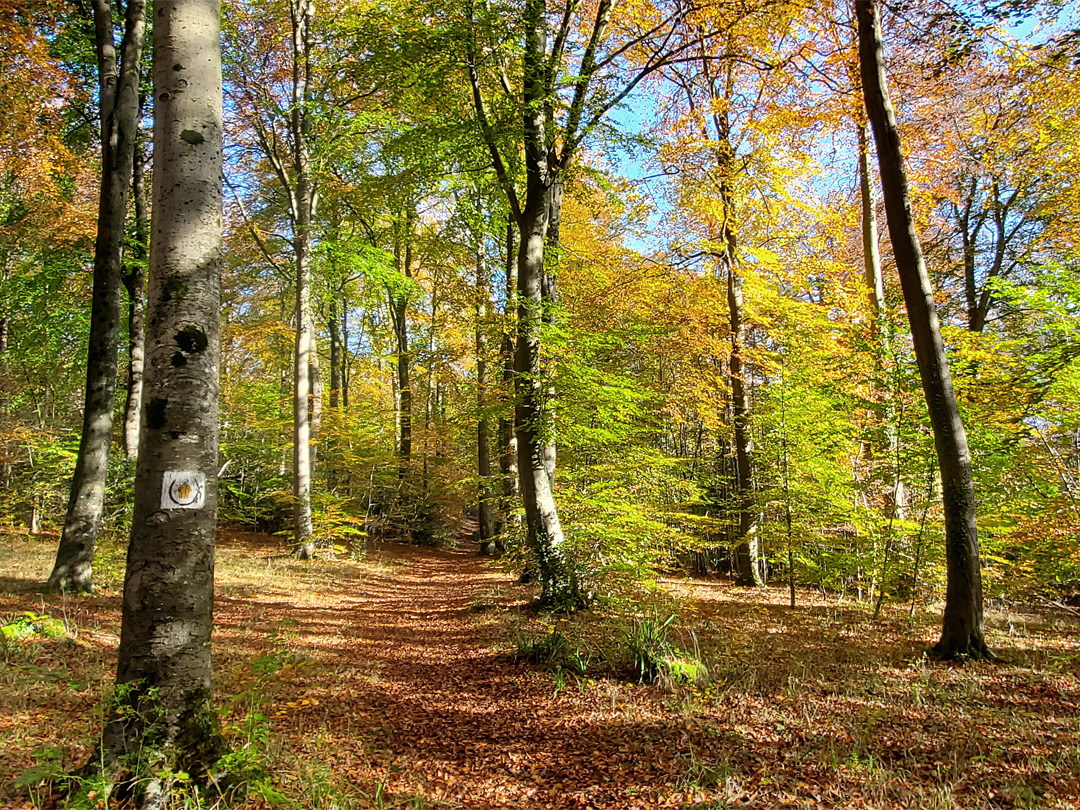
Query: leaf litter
point(391, 682)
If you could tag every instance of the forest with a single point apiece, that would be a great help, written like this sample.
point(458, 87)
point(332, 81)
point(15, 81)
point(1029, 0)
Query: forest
point(539, 404)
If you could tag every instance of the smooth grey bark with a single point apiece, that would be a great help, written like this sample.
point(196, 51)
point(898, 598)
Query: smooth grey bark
point(875, 286)
point(399, 305)
point(135, 282)
point(164, 711)
point(508, 464)
point(303, 198)
point(316, 400)
point(334, 328)
point(485, 490)
point(962, 623)
point(889, 445)
point(549, 297)
point(119, 102)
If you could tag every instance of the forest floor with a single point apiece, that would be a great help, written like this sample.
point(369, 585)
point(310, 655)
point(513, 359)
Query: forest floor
point(391, 682)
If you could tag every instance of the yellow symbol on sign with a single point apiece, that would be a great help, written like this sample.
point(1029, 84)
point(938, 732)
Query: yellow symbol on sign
point(183, 489)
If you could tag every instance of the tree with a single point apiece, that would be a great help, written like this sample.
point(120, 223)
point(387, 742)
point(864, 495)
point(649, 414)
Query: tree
point(119, 111)
point(572, 75)
point(134, 279)
point(163, 672)
point(962, 624)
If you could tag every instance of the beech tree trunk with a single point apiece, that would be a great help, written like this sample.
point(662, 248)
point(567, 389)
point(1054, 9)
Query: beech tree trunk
point(119, 101)
point(484, 494)
point(165, 711)
point(549, 295)
point(335, 357)
point(962, 624)
point(559, 584)
point(508, 464)
point(135, 282)
point(875, 286)
point(304, 200)
point(747, 568)
point(399, 315)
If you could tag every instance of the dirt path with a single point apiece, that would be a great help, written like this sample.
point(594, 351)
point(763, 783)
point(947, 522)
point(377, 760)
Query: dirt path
point(405, 662)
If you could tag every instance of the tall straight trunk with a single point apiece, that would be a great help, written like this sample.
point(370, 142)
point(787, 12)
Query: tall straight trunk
point(507, 436)
point(119, 100)
point(399, 306)
point(316, 391)
point(747, 570)
point(559, 584)
point(896, 491)
point(875, 287)
point(345, 354)
point(135, 282)
point(962, 624)
point(335, 357)
point(549, 295)
point(165, 711)
point(484, 493)
point(303, 202)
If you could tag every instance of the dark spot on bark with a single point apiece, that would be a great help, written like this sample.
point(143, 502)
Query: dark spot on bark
point(178, 360)
point(191, 340)
point(164, 97)
point(192, 137)
point(177, 66)
point(173, 288)
point(155, 413)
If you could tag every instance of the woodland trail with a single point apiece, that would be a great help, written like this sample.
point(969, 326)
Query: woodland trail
point(411, 686)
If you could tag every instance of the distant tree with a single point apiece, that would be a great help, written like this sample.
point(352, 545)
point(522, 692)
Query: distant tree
point(119, 112)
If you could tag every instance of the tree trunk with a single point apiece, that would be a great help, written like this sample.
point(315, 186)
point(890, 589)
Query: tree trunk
point(483, 438)
point(164, 713)
point(119, 99)
point(304, 199)
point(747, 569)
point(335, 357)
point(962, 625)
point(316, 392)
point(345, 354)
point(558, 579)
point(135, 282)
point(399, 306)
point(875, 287)
point(549, 295)
point(507, 436)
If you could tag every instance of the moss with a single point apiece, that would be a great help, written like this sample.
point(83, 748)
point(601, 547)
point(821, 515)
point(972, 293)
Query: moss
point(199, 742)
point(173, 288)
point(192, 137)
